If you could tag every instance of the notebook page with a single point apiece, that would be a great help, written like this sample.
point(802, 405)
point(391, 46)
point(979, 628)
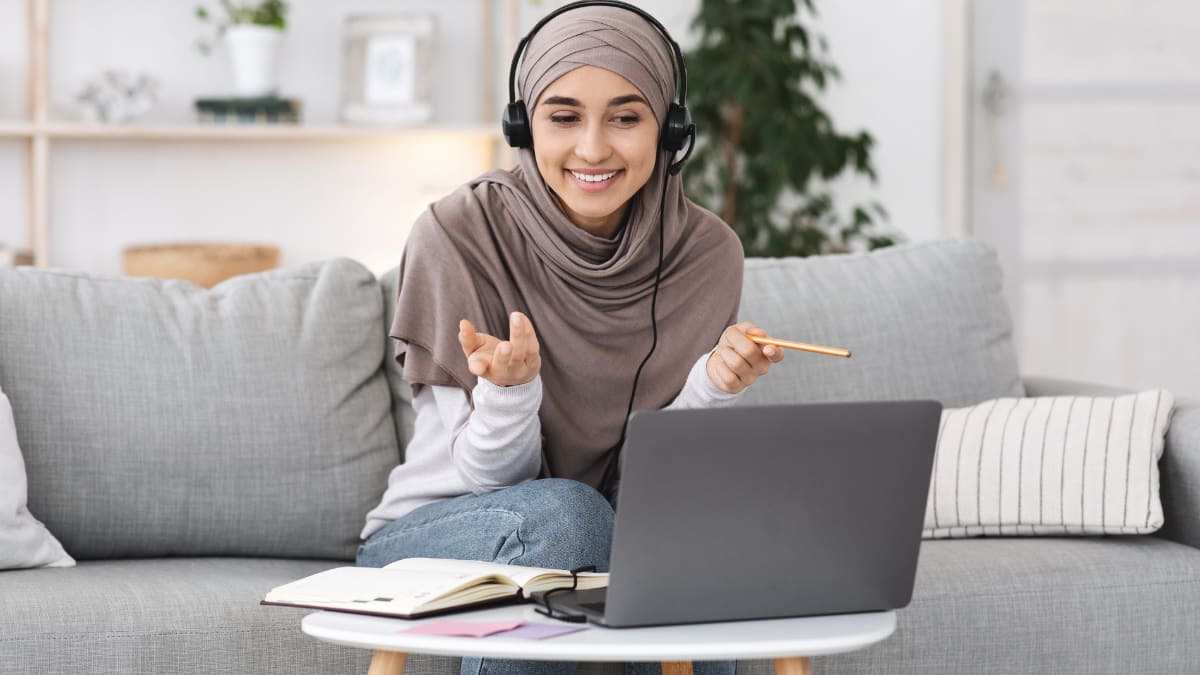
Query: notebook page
point(518, 573)
point(372, 588)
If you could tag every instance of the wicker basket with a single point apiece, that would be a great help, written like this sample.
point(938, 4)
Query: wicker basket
point(203, 264)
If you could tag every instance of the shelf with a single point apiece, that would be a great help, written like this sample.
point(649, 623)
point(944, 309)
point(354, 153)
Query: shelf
point(263, 132)
point(16, 130)
point(44, 135)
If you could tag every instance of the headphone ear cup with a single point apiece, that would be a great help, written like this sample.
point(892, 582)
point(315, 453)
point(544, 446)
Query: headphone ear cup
point(515, 125)
point(675, 168)
point(676, 128)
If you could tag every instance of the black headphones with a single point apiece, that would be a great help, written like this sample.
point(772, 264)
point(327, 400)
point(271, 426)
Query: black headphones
point(676, 128)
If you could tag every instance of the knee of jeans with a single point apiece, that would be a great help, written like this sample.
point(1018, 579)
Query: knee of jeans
point(567, 524)
point(367, 556)
point(557, 497)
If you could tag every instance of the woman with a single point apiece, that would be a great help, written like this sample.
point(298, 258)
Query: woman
point(562, 254)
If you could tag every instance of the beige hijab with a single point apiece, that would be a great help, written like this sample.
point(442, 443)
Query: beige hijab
point(501, 243)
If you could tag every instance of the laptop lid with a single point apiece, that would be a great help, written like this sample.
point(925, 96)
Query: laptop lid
point(771, 511)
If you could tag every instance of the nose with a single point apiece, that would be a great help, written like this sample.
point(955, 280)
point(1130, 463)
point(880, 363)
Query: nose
point(593, 146)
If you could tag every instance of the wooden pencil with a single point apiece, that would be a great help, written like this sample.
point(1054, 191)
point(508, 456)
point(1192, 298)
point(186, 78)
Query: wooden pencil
point(803, 346)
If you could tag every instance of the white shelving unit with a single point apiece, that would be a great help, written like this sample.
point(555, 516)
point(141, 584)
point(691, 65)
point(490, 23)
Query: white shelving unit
point(184, 132)
point(42, 133)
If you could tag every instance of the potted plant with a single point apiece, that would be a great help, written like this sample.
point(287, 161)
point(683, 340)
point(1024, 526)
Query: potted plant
point(766, 149)
point(252, 33)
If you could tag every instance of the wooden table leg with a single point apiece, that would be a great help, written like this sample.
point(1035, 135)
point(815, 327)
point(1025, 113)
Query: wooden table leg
point(796, 665)
point(387, 663)
point(677, 668)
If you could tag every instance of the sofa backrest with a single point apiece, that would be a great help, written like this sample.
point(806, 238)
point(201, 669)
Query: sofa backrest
point(158, 418)
point(402, 411)
point(923, 320)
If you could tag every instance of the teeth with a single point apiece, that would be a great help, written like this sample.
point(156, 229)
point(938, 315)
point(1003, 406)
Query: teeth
point(594, 178)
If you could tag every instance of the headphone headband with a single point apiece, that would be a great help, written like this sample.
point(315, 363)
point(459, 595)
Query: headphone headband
point(680, 74)
point(677, 125)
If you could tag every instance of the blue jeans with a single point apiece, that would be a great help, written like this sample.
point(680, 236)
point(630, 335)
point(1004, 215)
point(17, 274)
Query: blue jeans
point(552, 522)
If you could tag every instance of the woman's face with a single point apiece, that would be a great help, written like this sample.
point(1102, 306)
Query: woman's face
point(595, 140)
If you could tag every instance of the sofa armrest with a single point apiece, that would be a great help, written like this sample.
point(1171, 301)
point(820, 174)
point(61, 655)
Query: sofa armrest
point(1180, 474)
point(1179, 469)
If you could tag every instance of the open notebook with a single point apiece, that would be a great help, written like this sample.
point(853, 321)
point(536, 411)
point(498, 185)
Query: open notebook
point(416, 587)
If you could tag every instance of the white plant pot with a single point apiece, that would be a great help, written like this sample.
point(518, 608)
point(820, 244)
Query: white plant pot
point(254, 56)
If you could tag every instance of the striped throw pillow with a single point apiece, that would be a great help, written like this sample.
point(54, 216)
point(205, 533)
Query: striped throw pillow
point(1049, 465)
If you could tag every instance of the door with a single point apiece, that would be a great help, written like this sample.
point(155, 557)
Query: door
point(1085, 174)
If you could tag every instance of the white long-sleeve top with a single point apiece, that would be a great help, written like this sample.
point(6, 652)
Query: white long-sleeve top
point(456, 450)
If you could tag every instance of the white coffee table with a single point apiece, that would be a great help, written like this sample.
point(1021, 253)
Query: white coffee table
point(788, 641)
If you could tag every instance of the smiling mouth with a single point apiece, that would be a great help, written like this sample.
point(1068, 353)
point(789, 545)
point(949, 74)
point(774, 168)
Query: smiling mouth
point(594, 182)
point(594, 177)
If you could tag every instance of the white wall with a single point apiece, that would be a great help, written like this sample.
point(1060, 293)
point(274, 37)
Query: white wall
point(357, 199)
point(890, 55)
point(12, 106)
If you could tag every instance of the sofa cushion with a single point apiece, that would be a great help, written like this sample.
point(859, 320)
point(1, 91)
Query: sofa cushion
point(1073, 606)
point(1050, 465)
point(402, 410)
point(198, 616)
point(172, 615)
point(924, 320)
point(24, 541)
point(160, 418)
point(979, 606)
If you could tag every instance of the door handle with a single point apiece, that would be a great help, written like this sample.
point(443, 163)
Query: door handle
point(996, 104)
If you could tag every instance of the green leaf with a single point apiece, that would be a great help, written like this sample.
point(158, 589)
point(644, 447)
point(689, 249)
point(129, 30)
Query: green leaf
point(758, 57)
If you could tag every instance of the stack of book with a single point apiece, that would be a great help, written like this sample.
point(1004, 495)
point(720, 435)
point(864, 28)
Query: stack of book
point(267, 110)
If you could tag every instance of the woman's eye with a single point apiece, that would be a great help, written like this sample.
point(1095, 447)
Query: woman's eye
point(571, 119)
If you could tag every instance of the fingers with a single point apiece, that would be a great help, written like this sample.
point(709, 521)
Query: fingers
point(738, 361)
point(726, 367)
point(508, 362)
point(721, 376)
point(470, 342)
point(518, 336)
point(752, 355)
point(774, 354)
point(467, 337)
point(527, 335)
point(473, 344)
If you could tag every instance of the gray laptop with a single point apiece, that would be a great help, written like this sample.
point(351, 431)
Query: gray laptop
point(762, 512)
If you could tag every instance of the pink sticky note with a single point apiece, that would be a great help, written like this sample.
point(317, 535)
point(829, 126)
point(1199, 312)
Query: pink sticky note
point(463, 628)
point(539, 631)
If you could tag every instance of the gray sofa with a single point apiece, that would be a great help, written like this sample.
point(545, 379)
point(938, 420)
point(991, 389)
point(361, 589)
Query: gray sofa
point(192, 449)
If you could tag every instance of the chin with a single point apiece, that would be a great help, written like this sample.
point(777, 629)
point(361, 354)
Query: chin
point(593, 213)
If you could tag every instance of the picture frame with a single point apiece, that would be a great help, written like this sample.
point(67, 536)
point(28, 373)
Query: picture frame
point(389, 69)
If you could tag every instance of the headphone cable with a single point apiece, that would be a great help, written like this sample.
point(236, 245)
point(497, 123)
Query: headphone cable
point(615, 452)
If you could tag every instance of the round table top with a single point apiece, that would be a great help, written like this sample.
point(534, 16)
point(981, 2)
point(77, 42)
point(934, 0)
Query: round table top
point(758, 639)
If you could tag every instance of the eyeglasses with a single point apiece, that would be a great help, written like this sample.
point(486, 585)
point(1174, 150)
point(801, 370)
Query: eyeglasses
point(547, 610)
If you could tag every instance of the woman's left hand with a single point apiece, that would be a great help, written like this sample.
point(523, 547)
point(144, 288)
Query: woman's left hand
point(737, 361)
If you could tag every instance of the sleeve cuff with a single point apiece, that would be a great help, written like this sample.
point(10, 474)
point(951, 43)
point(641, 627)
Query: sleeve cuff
point(525, 397)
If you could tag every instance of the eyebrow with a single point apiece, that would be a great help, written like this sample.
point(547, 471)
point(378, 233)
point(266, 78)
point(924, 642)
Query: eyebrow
point(619, 100)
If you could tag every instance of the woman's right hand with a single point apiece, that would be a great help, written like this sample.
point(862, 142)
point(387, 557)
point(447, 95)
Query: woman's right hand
point(504, 363)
